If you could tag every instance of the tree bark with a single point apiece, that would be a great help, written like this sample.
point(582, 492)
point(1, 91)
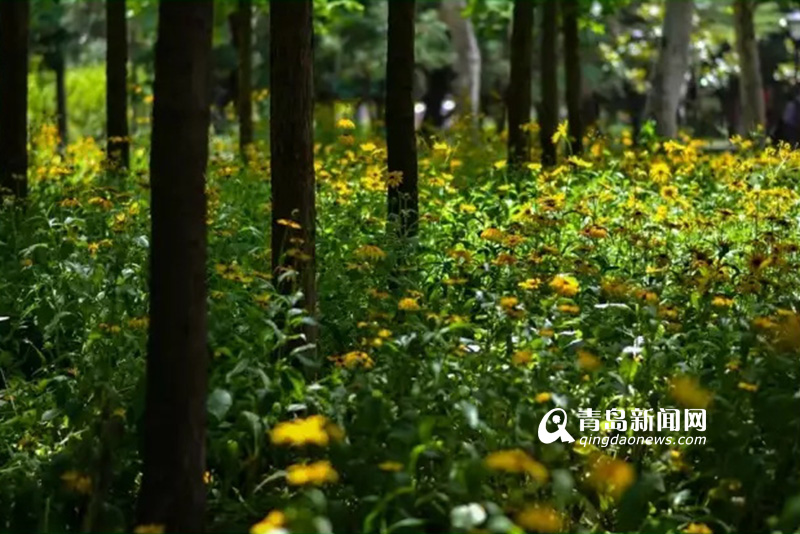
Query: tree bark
point(468, 63)
point(401, 140)
point(14, 28)
point(60, 68)
point(549, 110)
point(245, 85)
point(668, 79)
point(519, 89)
point(118, 143)
point(292, 148)
point(173, 493)
point(751, 94)
point(572, 67)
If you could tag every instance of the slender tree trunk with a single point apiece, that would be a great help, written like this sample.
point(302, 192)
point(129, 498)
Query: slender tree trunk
point(401, 140)
point(751, 95)
point(14, 27)
point(669, 76)
point(118, 143)
point(468, 64)
point(173, 493)
point(519, 89)
point(572, 68)
point(60, 68)
point(245, 85)
point(292, 146)
point(549, 110)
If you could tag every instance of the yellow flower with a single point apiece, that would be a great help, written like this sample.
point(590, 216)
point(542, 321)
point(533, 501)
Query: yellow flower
point(530, 284)
point(500, 164)
point(560, 133)
point(659, 172)
point(394, 178)
point(390, 466)
point(77, 482)
point(316, 474)
point(569, 308)
point(522, 357)
point(543, 397)
point(517, 461)
point(408, 304)
point(508, 303)
point(566, 286)
point(721, 302)
point(688, 392)
point(746, 386)
point(588, 361)
point(595, 232)
point(669, 192)
point(273, 521)
point(493, 234)
point(355, 359)
point(345, 124)
point(540, 518)
point(369, 253)
point(467, 208)
point(697, 528)
point(289, 223)
point(313, 430)
point(149, 529)
point(609, 475)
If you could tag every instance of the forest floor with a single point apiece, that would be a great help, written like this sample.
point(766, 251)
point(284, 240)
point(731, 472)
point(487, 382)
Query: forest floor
point(657, 277)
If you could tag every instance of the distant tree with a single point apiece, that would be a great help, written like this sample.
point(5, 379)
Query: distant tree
point(173, 493)
point(292, 148)
point(401, 141)
point(519, 90)
point(548, 121)
point(751, 90)
point(572, 67)
point(468, 56)
point(118, 144)
point(244, 48)
point(668, 79)
point(14, 27)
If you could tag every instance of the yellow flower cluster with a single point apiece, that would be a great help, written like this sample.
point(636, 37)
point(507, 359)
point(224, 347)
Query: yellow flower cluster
point(517, 461)
point(313, 430)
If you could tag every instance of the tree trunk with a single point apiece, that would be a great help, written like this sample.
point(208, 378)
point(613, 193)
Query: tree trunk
point(751, 95)
point(548, 121)
point(572, 68)
point(669, 76)
point(401, 141)
point(60, 68)
point(292, 148)
point(468, 64)
point(118, 143)
point(519, 89)
point(245, 85)
point(173, 493)
point(14, 21)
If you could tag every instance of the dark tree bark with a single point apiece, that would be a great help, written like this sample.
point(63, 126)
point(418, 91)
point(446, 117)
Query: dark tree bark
point(519, 89)
point(572, 67)
point(60, 69)
point(292, 147)
point(549, 110)
point(14, 27)
point(401, 139)
point(173, 493)
point(118, 144)
point(244, 47)
point(751, 94)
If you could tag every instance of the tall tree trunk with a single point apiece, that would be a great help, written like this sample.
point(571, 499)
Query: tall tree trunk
point(245, 85)
point(173, 493)
point(292, 147)
point(401, 140)
point(549, 110)
point(468, 63)
point(751, 94)
point(60, 68)
point(669, 76)
point(519, 88)
point(572, 68)
point(118, 144)
point(14, 27)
